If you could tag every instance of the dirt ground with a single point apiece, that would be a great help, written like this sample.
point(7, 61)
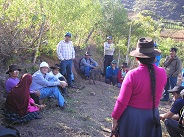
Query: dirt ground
point(88, 114)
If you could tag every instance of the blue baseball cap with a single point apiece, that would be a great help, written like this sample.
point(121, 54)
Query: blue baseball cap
point(68, 34)
point(109, 37)
point(114, 62)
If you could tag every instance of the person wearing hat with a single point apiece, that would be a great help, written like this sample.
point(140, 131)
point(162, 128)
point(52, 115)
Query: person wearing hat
point(122, 73)
point(86, 64)
point(47, 84)
point(108, 53)
point(13, 79)
point(55, 72)
point(111, 73)
point(171, 118)
point(66, 54)
point(157, 58)
point(173, 67)
point(136, 109)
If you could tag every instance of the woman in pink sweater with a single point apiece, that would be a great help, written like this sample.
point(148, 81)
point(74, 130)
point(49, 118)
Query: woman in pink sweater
point(136, 109)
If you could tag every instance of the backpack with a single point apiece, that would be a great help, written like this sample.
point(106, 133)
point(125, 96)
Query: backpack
point(80, 64)
point(9, 131)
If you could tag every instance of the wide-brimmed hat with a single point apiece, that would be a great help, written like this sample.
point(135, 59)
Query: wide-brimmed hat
point(87, 54)
point(145, 49)
point(176, 89)
point(12, 67)
point(114, 62)
point(55, 67)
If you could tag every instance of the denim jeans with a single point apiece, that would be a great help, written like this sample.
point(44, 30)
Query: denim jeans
point(54, 92)
point(112, 80)
point(66, 70)
point(173, 128)
point(171, 83)
point(87, 69)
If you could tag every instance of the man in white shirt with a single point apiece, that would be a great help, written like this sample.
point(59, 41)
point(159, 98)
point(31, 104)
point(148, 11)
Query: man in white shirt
point(55, 72)
point(108, 53)
point(66, 54)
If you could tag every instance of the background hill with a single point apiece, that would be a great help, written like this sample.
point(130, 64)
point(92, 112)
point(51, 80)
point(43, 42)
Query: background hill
point(166, 9)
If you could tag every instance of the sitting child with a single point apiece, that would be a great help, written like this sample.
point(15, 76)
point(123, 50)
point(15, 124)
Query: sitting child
point(55, 72)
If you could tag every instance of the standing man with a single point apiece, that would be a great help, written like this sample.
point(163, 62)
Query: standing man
point(108, 53)
point(173, 68)
point(66, 54)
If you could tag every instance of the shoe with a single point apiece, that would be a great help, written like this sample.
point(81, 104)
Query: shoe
point(164, 99)
point(64, 106)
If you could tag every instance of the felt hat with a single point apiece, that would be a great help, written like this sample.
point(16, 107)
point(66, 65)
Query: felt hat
point(145, 49)
point(68, 34)
point(114, 62)
point(176, 89)
point(87, 54)
point(12, 67)
point(44, 64)
point(56, 66)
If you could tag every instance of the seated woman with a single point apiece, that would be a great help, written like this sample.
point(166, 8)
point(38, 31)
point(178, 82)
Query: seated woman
point(13, 79)
point(122, 73)
point(19, 107)
point(55, 72)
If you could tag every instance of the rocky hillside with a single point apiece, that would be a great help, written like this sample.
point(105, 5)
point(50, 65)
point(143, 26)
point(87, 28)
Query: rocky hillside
point(166, 9)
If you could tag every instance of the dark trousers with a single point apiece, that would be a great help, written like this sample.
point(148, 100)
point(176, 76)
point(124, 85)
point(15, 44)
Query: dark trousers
point(107, 62)
point(35, 98)
point(63, 90)
point(173, 128)
point(66, 70)
point(112, 80)
point(171, 83)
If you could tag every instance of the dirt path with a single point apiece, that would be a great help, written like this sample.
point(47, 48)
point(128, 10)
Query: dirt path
point(88, 114)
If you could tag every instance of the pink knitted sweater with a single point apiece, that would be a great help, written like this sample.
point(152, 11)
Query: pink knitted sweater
point(136, 90)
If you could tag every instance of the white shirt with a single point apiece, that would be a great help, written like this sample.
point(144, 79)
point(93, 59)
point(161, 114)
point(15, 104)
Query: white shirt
point(108, 48)
point(56, 76)
point(65, 50)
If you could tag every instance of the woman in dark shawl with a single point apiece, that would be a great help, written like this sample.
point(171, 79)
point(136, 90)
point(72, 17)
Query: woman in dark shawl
point(18, 100)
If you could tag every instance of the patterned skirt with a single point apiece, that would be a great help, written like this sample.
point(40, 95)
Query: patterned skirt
point(17, 119)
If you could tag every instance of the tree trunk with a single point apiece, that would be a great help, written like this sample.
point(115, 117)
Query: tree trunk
point(39, 42)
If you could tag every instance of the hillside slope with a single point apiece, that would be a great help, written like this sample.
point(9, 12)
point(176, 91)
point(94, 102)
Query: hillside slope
point(167, 9)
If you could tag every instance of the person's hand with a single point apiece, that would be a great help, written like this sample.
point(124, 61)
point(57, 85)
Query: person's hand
point(114, 124)
point(42, 106)
point(162, 117)
point(37, 93)
point(95, 67)
point(63, 84)
point(113, 67)
point(121, 78)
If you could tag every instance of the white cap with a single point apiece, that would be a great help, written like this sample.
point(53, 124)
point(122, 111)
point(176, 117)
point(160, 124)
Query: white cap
point(44, 64)
point(182, 93)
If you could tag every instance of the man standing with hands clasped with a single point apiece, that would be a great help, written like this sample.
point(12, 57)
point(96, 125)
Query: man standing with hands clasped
point(173, 66)
point(66, 54)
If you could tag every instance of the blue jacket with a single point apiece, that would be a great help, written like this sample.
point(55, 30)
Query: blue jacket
point(39, 81)
point(110, 72)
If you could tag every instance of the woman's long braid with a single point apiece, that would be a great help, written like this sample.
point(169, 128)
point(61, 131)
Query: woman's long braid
point(148, 62)
point(153, 90)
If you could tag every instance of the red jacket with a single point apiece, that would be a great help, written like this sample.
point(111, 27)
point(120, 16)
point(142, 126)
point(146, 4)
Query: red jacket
point(120, 76)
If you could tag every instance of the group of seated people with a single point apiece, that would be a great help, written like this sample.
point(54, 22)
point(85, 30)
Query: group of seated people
point(113, 75)
point(24, 95)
